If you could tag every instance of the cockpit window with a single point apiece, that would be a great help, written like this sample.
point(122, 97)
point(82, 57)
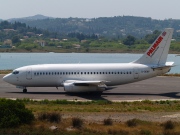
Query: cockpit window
point(15, 72)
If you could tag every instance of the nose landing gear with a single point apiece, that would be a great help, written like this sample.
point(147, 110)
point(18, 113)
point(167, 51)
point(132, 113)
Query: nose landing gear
point(22, 87)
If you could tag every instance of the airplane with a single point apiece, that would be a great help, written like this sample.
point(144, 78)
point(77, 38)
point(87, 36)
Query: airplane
point(96, 77)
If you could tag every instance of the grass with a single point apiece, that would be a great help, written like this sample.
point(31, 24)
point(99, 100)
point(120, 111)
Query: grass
point(66, 127)
point(50, 117)
point(5, 71)
point(101, 106)
point(48, 113)
point(172, 75)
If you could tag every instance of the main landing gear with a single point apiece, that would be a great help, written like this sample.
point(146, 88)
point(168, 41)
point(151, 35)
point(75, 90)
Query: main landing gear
point(24, 90)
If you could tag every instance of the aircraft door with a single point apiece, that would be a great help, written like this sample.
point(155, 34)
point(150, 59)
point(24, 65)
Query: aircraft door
point(29, 74)
point(136, 73)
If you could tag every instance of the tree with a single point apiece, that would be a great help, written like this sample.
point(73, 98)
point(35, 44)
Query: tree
point(15, 40)
point(129, 40)
point(150, 38)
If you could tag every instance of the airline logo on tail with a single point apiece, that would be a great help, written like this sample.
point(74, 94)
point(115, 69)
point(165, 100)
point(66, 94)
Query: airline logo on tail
point(156, 45)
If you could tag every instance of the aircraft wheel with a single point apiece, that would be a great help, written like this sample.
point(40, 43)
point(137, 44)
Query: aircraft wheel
point(24, 90)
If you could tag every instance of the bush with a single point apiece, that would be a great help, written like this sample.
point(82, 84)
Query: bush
point(14, 113)
point(169, 125)
point(51, 117)
point(108, 121)
point(132, 122)
point(77, 122)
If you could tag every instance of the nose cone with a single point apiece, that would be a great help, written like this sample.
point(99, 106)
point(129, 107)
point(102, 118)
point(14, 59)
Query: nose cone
point(7, 78)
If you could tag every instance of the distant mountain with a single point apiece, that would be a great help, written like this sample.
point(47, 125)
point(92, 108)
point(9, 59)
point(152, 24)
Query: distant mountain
point(30, 18)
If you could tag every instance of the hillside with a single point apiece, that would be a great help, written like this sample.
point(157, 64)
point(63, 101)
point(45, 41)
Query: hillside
point(117, 27)
point(30, 18)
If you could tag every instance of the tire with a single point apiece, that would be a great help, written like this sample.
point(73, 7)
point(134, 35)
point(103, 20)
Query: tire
point(24, 90)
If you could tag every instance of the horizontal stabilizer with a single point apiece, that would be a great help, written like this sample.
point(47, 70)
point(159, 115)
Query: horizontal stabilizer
point(167, 64)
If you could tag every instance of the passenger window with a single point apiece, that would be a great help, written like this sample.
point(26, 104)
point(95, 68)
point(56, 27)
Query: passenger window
point(35, 73)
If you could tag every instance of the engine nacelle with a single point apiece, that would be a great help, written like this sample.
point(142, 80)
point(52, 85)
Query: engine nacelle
point(70, 87)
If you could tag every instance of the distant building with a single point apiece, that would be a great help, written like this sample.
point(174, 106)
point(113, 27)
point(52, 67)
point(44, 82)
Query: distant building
point(41, 42)
point(25, 37)
point(9, 30)
point(54, 39)
point(39, 35)
point(77, 46)
point(59, 46)
point(8, 42)
point(83, 41)
point(30, 33)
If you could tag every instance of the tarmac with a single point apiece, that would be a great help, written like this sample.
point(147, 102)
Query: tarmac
point(157, 88)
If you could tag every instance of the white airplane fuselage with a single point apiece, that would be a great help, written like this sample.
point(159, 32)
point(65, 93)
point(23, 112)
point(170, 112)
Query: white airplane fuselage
point(53, 75)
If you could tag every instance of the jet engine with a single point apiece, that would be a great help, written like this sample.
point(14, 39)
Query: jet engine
point(70, 87)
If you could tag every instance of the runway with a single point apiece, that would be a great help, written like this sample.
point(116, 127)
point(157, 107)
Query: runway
point(158, 88)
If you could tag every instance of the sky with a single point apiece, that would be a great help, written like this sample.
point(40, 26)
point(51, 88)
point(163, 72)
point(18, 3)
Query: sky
point(156, 9)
